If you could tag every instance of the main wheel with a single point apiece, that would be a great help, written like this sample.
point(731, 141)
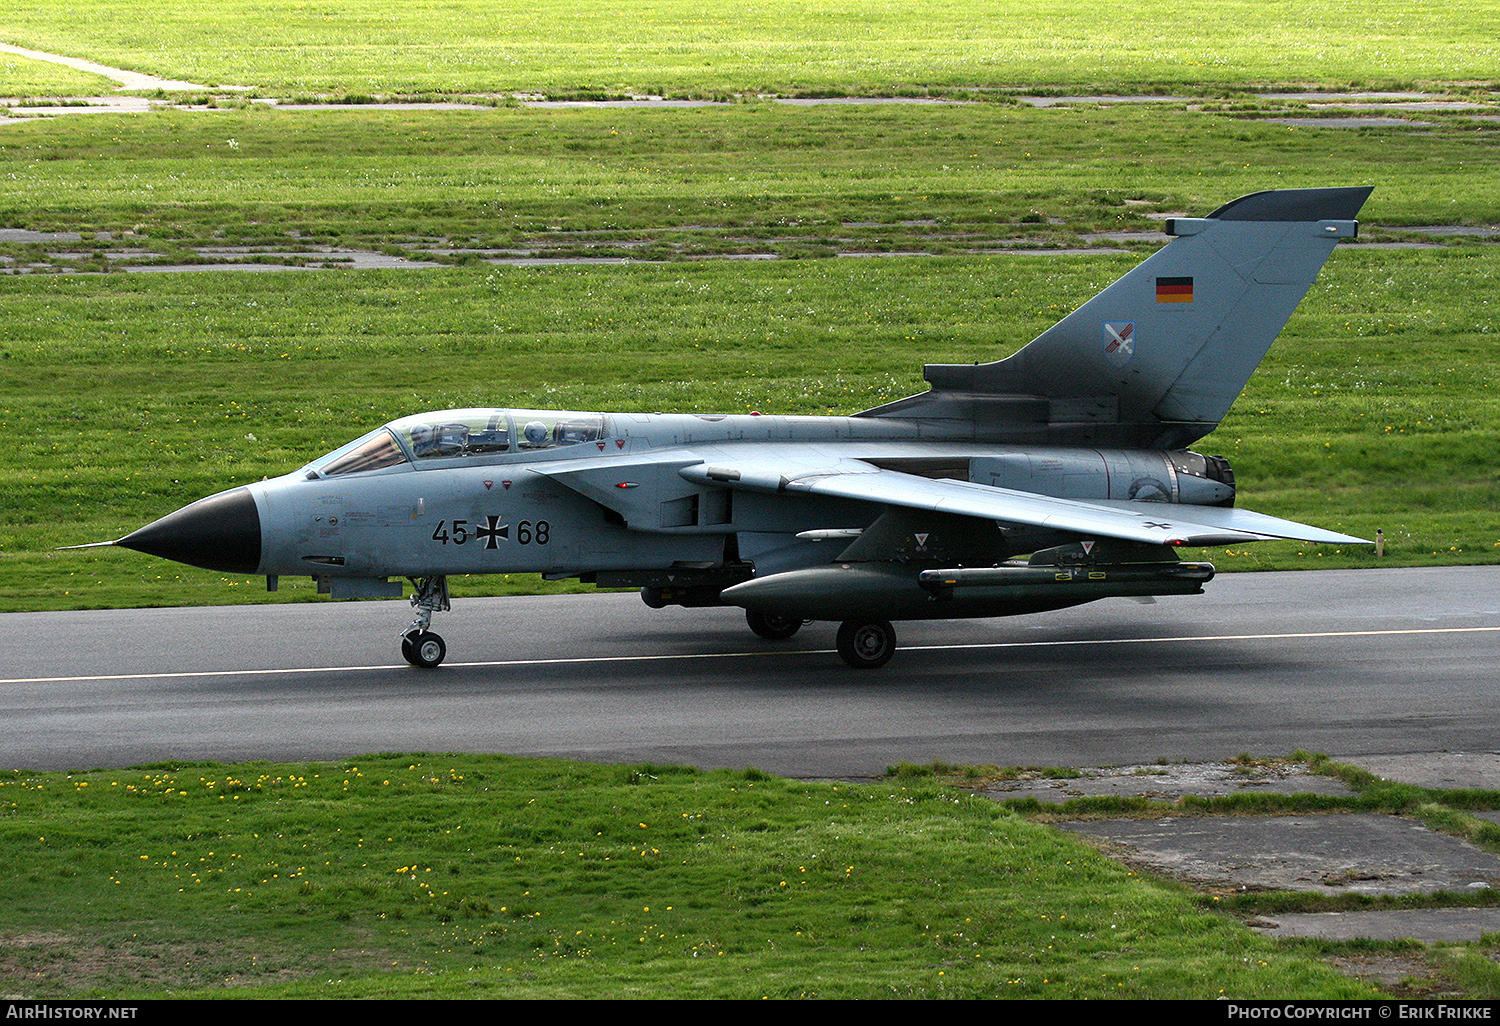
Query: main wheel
point(772, 626)
point(866, 645)
point(425, 650)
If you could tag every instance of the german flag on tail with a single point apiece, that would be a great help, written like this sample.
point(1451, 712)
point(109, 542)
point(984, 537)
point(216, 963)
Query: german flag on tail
point(1174, 290)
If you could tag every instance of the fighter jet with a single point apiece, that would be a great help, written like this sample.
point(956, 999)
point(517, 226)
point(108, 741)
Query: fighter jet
point(1056, 476)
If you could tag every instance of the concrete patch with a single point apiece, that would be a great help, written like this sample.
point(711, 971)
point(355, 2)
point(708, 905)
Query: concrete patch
point(1346, 122)
point(1433, 925)
point(1325, 854)
point(27, 236)
point(1454, 770)
point(1168, 783)
point(1068, 101)
point(78, 105)
point(247, 258)
point(1329, 854)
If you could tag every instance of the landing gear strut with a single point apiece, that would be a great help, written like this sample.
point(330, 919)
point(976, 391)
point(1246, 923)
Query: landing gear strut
point(419, 646)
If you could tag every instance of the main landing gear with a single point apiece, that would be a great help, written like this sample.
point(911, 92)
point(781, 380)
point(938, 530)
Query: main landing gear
point(419, 646)
point(866, 644)
point(772, 626)
point(863, 644)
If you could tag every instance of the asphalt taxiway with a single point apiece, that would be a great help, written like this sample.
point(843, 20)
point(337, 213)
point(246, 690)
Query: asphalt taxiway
point(1359, 662)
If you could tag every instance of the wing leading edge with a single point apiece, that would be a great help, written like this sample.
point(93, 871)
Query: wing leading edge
point(1156, 523)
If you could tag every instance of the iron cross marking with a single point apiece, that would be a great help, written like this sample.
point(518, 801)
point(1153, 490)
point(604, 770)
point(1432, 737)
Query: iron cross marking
point(492, 531)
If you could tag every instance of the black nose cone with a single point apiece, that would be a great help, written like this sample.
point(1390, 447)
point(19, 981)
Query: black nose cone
point(221, 532)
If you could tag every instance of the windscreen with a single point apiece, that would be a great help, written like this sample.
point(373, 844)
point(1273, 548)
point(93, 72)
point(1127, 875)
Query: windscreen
point(372, 452)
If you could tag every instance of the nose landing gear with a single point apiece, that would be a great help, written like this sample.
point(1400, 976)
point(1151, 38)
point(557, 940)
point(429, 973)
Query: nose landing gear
point(419, 646)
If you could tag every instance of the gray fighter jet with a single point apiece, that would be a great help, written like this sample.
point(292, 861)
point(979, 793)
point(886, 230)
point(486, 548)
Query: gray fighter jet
point(1057, 476)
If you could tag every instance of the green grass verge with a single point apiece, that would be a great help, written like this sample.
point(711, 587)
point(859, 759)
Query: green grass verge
point(24, 77)
point(483, 876)
point(760, 178)
point(717, 47)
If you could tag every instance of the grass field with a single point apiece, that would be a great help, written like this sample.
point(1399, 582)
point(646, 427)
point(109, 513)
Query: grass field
point(482, 876)
point(720, 48)
point(24, 77)
point(462, 876)
point(756, 178)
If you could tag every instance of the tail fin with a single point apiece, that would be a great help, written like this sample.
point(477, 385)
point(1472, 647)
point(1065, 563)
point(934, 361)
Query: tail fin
point(1157, 358)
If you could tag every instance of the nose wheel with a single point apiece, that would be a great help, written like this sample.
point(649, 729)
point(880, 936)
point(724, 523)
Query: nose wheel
point(423, 648)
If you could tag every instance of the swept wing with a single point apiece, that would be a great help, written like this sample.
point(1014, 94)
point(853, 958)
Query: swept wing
point(1157, 523)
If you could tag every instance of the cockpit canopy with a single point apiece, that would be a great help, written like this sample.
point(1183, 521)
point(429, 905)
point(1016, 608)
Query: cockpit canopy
point(461, 434)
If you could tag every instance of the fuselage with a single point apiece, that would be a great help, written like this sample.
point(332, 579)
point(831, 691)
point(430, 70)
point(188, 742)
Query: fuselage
point(566, 493)
point(513, 500)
